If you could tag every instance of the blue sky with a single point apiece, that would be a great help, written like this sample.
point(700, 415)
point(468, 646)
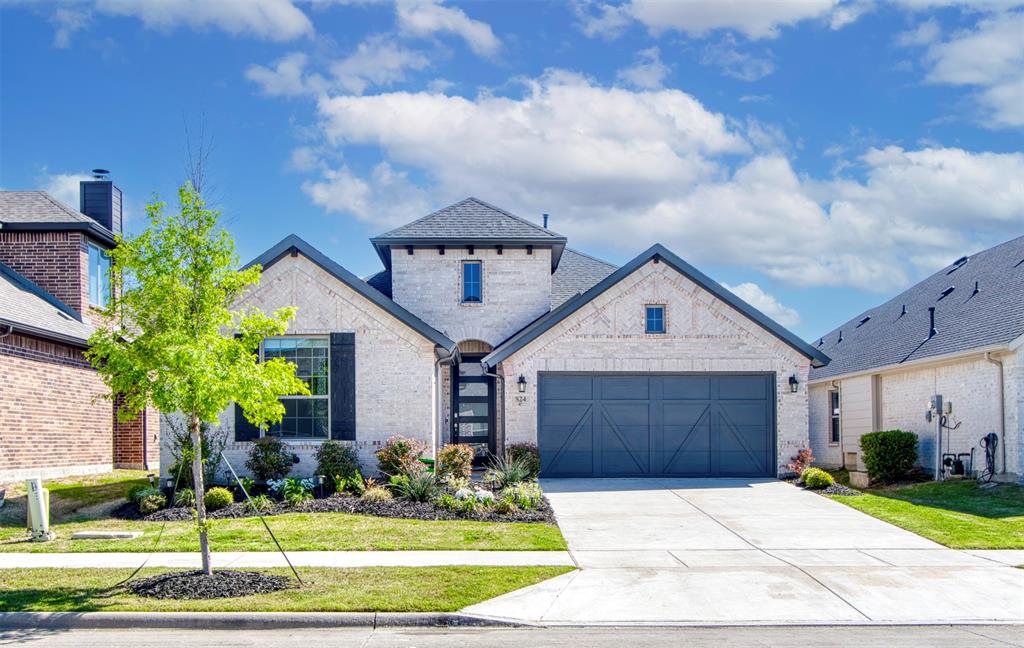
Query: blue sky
point(816, 156)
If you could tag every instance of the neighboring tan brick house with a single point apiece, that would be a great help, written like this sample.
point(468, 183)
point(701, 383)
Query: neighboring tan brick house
point(958, 334)
point(483, 328)
point(54, 285)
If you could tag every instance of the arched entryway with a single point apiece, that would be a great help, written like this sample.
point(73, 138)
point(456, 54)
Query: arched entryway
point(474, 401)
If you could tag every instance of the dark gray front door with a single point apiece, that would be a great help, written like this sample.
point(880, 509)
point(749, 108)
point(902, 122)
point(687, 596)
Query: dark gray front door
point(473, 406)
point(650, 425)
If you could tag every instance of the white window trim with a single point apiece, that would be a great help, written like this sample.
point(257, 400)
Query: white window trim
point(836, 415)
point(327, 396)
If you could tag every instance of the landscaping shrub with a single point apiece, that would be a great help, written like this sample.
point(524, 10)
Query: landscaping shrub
point(259, 503)
point(816, 478)
point(505, 470)
point(353, 484)
point(152, 503)
point(297, 491)
point(138, 491)
point(214, 440)
point(248, 483)
point(269, 458)
point(452, 503)
point(506, 506)
point(526, 495)
point(889, 455)
point(217, 498)
point(400, 456)
point(528, 454)
point(415, 487)
point(803, 460)
point(377, 494)
point(185, 497)
point(334, 460)
point(454, 461)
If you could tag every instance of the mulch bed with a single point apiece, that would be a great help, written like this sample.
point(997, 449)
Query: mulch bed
point(197, 585)
point(396, 508)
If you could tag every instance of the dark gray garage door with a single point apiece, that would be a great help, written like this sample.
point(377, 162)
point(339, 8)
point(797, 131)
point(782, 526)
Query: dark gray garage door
point(652, 425)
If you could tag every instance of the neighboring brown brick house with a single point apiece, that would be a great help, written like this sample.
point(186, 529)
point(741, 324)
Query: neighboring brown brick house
point(54, 284)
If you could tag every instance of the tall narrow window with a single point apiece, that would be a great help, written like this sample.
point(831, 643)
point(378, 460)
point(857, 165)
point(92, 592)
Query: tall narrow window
point(305, 417)
point(99, 276)
point(833, 406)
point(654, 320)
point(472, 283)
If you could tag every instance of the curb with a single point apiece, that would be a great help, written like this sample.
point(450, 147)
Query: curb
point(245, 620)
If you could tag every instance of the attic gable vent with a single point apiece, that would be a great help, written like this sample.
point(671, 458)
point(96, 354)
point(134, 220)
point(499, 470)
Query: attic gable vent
point(863, 321)
point(945, 293)
point(959, 263)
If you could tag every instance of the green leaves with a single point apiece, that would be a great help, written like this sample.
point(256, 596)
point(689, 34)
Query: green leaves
point(170, 337)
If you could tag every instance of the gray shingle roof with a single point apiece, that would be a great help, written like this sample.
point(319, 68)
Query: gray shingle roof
point(38, 210)
point(382, 282)
point(577, 273)
point(964, 320)
point(473, 220)
point(31, 309)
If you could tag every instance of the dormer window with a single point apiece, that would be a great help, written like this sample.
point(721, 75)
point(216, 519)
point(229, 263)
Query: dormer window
point(472, 282)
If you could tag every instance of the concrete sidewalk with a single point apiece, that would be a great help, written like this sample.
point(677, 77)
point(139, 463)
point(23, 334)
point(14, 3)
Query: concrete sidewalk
point(237, 559)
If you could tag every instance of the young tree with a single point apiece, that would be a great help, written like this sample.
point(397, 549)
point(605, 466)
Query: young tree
point(171, 337)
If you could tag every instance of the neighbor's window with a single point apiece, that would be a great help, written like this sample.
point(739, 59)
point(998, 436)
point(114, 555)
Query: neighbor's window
point(654, 319)
point(472, 283)
point(833, 424)
point(99, 276)
point(305, 417)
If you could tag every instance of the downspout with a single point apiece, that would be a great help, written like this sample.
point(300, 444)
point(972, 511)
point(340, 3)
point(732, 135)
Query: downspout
point(1002, 409)
point(449, 360)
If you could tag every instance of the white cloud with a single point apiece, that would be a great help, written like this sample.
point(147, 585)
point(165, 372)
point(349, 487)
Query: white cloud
point(68, 21)
point(63, 186)
point(385, 199)
point(428, 17)
point(647, 72)
point(924, 34)
point(377, 61)
point(275, 20)
point(287, 78)
point(739, 65)
point(767, 304)
point(600, 19)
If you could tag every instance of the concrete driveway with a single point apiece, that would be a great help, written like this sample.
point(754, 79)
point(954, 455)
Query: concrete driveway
point(749, 551)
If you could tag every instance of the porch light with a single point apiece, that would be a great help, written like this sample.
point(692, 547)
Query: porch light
point(522, 383)
point(793, 384)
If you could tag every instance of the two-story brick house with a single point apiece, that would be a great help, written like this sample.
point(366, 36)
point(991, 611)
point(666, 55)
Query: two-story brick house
point(484, 328)
point(54, 286)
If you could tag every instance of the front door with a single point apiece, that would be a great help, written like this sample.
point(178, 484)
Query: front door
point(473, 406)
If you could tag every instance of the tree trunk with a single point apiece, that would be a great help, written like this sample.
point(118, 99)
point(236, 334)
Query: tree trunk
point(195, 426)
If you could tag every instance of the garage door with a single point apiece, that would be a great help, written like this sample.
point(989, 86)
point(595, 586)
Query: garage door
point(653, 425)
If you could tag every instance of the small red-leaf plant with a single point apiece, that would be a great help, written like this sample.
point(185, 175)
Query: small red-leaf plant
point(803, 459)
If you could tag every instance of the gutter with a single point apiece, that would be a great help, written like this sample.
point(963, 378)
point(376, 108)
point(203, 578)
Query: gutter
point(915, 364)
point(1002, 408)
point(78, 343)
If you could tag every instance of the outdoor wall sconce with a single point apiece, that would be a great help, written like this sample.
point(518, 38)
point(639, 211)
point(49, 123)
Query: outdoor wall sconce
point(793, 384)
point(522, 384)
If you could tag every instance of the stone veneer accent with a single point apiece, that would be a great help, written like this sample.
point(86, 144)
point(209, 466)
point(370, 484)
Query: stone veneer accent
point(395, 371)
point(516, 290)
point(703, 334)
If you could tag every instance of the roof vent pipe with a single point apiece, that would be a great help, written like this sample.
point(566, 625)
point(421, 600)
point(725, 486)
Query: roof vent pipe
point(904, 311)
point(976, 289)
point(545, 221)
point(931, 323)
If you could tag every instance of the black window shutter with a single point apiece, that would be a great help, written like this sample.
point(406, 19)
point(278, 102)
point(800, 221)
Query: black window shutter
point(244, 430)
point(343, 386)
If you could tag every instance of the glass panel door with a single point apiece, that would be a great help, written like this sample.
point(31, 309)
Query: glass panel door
point(473, 407)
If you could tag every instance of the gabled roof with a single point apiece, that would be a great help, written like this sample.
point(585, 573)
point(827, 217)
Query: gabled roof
point(470, 222)
point(28, 308)
point(577, 273)
point(293, 243)
point(964, 319)
point(659, 252)
point(382, 282)
point(38, 210)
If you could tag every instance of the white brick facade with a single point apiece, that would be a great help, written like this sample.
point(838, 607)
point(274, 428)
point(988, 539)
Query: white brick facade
point(703, 334)
point(516, 290)
point(901, 396)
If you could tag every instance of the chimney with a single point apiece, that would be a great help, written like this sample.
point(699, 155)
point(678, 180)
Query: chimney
point(931, 323)
point(100, 200)
point(545, 221)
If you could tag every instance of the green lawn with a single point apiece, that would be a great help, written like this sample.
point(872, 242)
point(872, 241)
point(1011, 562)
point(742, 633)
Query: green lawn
point(957, 514)
point(81, 504)
point(368, 589)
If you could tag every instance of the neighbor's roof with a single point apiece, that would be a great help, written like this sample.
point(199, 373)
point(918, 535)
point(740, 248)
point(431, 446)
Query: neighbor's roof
point(33, 311)
point(576, 273)
point(964, 319)
point(655, 252)
point(292, 243)
point(469, 221)
point(38, 210)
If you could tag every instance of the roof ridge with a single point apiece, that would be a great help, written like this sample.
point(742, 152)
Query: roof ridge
point(30, 286)
point(422, 218)
point(478, 201)
point(62, 206)
point(591, 257)
point(513, 216)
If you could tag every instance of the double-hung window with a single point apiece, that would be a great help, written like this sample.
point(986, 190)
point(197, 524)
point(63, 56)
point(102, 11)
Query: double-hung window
point(833, 423)
point(305, 417)
point(99, 276)
point(472, 282)
point(654, 319)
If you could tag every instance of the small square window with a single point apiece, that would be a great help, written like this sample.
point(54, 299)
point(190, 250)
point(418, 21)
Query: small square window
point(472, 282)
point(654, 321)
